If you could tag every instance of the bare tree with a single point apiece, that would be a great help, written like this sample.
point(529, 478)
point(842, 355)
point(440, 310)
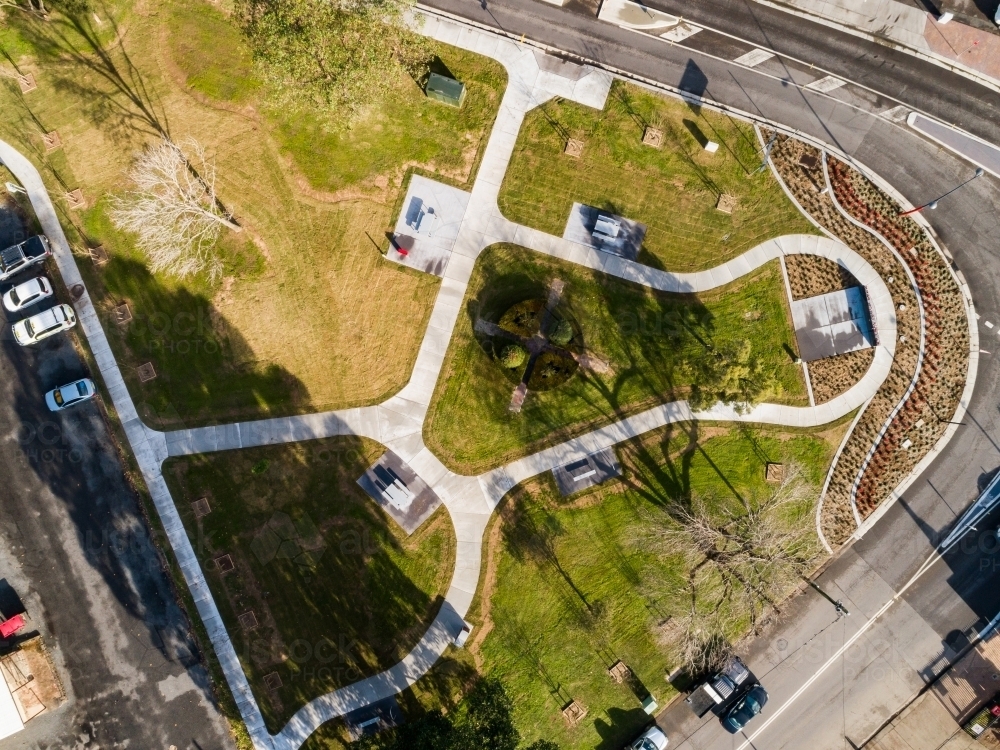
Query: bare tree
point(174, 210)
point(742, 561)
point(34, 7)
point(698, 641)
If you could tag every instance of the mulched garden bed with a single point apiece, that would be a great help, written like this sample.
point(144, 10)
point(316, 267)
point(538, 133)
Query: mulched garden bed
point(810, 275)
point(942, 376)
point(832, 376)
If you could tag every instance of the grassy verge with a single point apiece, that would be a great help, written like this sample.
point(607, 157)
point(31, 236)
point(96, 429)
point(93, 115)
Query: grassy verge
point(595, 588)
point(673, 189)
point(337, 589)
point(653, 343)
point(308, 316)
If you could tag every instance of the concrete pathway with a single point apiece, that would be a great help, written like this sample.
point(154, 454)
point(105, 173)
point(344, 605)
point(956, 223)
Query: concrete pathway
point(397, 423)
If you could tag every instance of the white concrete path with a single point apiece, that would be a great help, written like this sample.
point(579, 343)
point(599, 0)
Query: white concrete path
point(397, 423)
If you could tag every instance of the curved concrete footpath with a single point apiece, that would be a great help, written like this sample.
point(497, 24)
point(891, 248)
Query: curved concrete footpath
point(397, 423)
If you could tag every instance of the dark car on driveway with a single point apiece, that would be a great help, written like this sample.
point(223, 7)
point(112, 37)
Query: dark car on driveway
point(744, 709)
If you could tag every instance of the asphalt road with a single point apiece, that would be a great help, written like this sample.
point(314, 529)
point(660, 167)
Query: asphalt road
point(76, 550)
point(862, 687)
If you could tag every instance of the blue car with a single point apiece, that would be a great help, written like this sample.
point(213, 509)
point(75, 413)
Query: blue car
point(744, 709)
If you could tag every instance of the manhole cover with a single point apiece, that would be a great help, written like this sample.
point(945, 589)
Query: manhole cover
point(273, 681)
point(76, 291)
point(782, 644)
point(225, 564)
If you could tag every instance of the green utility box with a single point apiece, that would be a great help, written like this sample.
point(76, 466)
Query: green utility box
point(446, 90)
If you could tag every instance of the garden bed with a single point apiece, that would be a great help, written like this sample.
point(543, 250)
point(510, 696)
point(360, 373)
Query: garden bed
point(832, 376)
point(810, 275)
point(923, 418)
point(925, 415)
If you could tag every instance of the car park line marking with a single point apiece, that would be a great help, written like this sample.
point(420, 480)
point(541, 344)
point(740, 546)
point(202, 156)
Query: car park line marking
point(680, 32)
point(754, 57)
point(826, 85)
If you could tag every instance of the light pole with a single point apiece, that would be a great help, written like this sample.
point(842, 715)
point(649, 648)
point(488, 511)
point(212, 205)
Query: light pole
point(934, 203)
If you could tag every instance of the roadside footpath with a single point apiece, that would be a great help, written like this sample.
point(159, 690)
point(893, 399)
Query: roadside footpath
point(957, 46)
point(935, 719)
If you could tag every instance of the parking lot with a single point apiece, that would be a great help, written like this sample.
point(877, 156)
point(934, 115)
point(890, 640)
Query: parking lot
point(76, 549)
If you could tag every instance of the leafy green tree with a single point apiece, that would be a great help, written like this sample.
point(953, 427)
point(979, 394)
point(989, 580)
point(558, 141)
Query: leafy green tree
point(513, 355)
point(733, 375)
point(562, 333)
point(484, 721)
point(337, 55)
point(488, 722)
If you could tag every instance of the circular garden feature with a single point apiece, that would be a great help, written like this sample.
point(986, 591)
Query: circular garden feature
point(535, 344)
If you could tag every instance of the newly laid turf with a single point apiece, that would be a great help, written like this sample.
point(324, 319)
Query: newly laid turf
point(655, 344)
point(308, 315)
point(673, 189)
point(337, 590)
point(574, 583)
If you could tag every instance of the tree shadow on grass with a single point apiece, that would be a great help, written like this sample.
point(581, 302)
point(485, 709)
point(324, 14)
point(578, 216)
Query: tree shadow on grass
point(620, 726)
point(348, 611)
point(205, 369)
point(76, 46)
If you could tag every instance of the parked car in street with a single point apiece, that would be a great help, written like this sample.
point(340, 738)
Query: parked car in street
point(44, 324)
point(70, 394)
point(18, 257)
point(652, 739)
point(745, 709)
point(29, 293)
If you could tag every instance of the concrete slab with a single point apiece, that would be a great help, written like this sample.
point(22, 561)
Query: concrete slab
point(399, 491)
point(581, 225)
point(428, 225)
point(589, 471)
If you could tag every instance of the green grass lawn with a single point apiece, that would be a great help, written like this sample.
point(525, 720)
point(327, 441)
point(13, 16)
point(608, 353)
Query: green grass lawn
point(655, 343)
point(673, 190)
point(572, 592)
point(348, 596)
point(409, 131)
point(314, 201)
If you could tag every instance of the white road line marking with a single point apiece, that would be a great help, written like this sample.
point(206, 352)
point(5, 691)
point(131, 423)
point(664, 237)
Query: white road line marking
point(680, 32)
point(826, 85)
point(754, 57)
point(927, 565)
point(988, 324)
point(896, 114)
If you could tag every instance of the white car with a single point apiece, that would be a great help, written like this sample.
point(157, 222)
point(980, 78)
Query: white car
point(29, 293)
point(44, 324)
point(652, 739)
point(70, 394)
